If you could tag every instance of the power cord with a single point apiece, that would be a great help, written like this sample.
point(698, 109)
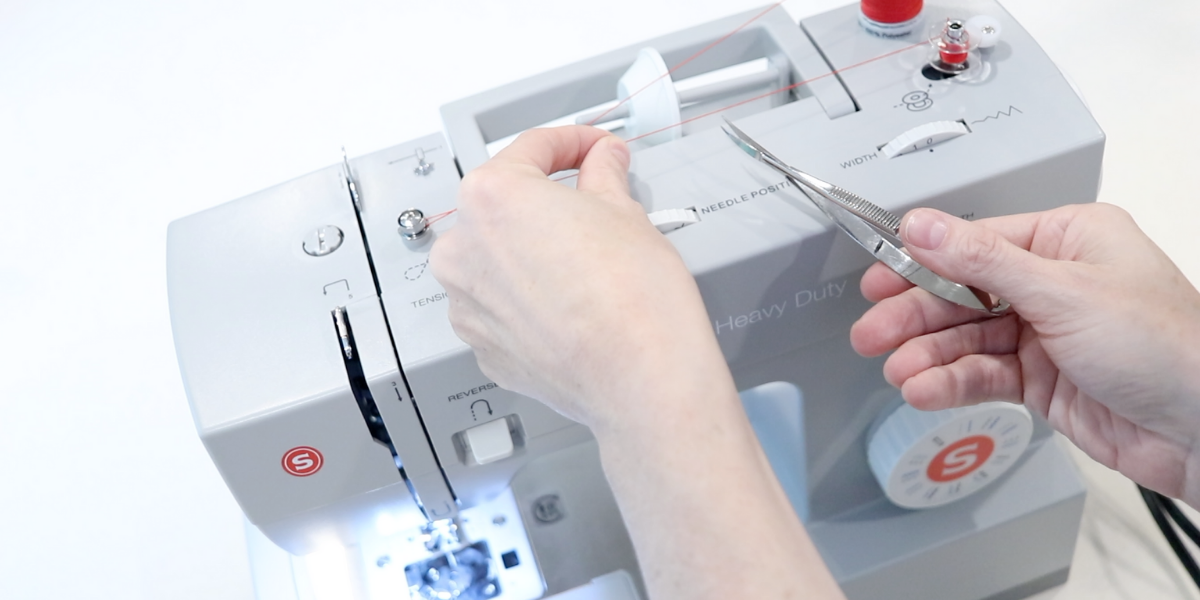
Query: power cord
point(1164, 510)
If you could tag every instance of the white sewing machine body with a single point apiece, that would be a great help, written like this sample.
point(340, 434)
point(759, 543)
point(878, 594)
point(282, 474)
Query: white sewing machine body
point(341, 409)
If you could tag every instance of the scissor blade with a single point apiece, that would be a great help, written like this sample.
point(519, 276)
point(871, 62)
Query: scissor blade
point(745, 142)
point(877, 216)
point(747, 148)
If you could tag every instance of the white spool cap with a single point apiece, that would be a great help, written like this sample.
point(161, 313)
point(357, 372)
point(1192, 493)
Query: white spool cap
point(654, 108)
point(926, 459)
point(984, 30)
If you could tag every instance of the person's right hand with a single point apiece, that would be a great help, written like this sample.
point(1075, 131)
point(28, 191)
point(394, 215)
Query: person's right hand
point(1103, 339)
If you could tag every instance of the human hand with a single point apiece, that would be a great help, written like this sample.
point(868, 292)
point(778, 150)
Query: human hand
point(1102, 339)
point(570, 296)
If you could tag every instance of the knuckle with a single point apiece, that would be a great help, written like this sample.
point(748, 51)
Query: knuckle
point(1092, 213)
point(987, 381)
point(445, 259)
point(479, 186)
point(1113, 213)
point(981, 252)
point(948, 346)
point(1110, 210)
point(539, 135)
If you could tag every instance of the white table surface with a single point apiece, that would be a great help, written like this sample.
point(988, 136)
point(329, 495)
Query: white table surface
point(117, 117)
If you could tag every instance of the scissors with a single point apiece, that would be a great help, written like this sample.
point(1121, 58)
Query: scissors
point(874, 228)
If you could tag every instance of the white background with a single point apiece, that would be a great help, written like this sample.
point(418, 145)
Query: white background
point(117, 117)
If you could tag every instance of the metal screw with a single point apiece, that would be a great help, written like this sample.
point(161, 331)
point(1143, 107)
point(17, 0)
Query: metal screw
point(322, 241)
point(412, 224)
point(499, 520)
point(548, 509)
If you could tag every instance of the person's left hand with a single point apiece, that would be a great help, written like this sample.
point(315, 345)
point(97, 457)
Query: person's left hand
point(557, 289)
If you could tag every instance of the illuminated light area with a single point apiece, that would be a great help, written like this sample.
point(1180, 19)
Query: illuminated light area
point(453, 559)
point(388, 524)
point(334, 572)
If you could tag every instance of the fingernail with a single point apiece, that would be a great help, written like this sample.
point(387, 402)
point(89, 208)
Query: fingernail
point(620, 149)
point(925, 229)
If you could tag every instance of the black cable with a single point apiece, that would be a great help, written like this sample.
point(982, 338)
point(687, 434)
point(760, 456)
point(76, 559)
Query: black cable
point(1185, 524)
point(1159, 512)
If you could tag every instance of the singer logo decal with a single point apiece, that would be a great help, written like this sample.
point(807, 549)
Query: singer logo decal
point(960, 458)
point(302, 461)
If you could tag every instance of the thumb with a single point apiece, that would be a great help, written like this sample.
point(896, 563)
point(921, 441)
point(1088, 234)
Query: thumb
point(605, 169)
point(978, 256)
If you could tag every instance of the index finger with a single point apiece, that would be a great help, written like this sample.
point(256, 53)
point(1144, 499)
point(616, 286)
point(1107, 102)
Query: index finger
point(552, 150)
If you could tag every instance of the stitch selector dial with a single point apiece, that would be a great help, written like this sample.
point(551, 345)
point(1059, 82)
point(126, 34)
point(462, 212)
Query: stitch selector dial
point(924, 136)
point(927, 459)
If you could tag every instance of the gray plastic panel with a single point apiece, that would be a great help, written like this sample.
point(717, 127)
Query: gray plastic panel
point(472, 123)
point(261, 361)
point(250, 310)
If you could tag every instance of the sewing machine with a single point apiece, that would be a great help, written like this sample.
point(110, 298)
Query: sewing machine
point(374, 460)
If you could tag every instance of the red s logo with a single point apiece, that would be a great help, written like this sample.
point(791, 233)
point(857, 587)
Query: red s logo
point(302, 461)
point(960, 458)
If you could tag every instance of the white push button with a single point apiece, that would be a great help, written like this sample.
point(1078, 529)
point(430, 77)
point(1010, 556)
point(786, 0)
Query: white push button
point(984, 30)
point(924, 136)
point(671, 219)
point(490, 442)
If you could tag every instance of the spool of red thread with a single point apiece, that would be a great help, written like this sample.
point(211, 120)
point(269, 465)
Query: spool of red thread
point(954, 55)
point(891, 11)
point(890, 18)
point(953, 45)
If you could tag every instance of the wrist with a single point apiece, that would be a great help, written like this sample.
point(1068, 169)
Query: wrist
point(1188, 398)
point(671, 393)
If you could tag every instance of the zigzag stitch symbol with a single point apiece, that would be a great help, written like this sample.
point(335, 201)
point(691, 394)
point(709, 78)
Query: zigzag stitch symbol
point(1007, 113)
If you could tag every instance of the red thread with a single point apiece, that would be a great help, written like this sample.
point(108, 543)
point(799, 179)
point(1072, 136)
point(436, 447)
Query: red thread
point(770, 93)
point(955, 54)
point(438, 217)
